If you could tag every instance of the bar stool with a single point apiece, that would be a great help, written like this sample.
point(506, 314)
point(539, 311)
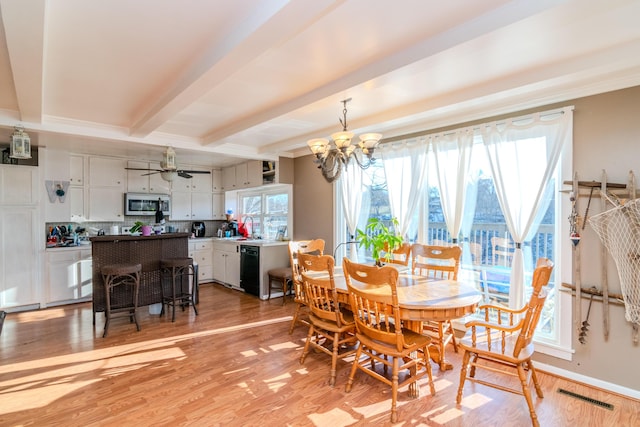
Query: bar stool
point(123, 303)
point(177, 274)
point(281, 276)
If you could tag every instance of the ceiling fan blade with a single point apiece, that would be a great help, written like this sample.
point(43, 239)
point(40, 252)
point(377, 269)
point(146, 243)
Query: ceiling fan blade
point(187, 171)
point(151, 173)
point(143, 169)
point(184, 174)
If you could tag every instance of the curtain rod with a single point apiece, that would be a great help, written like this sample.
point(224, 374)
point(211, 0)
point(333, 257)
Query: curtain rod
point(559, 110)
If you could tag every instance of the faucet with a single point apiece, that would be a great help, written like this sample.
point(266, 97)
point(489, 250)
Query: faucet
point(246, 218)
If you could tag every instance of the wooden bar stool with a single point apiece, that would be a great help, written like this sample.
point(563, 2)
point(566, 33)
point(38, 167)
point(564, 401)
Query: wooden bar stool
point(282, 279)
point(179, 284)
point(123, 303)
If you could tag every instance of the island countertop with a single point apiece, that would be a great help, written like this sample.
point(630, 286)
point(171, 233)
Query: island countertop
point(114, 237)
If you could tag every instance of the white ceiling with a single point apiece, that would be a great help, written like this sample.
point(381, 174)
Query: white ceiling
point(222, 81)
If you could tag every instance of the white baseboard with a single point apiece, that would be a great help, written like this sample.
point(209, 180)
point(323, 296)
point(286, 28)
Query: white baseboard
point(594, 382)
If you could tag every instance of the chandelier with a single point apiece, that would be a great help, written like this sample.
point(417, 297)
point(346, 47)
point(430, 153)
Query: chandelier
point(20, 147)
point(332, 158)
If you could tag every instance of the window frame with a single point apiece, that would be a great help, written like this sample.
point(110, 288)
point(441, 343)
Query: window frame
point(559, 347)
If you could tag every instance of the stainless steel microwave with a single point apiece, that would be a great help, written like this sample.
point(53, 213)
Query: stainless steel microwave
point(146, 204)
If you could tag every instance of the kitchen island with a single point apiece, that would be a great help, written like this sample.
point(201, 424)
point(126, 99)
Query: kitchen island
point(144, 250)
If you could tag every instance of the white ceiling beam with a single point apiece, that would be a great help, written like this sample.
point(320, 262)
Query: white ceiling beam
point(24, 26)
point(268, 24)
point(466, 31)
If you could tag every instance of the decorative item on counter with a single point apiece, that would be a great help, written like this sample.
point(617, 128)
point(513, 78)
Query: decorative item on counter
point(146, 230)
point(159, 213)
point(137, 228)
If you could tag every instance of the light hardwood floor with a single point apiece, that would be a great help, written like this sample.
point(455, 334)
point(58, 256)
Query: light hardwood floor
point(235, 365)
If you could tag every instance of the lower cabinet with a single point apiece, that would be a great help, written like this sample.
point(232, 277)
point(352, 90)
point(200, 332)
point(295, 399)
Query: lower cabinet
point(202, 252)
point(69, 274)
point(226, 263)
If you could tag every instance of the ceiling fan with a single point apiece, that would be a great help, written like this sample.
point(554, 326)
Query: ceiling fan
point(169, 169)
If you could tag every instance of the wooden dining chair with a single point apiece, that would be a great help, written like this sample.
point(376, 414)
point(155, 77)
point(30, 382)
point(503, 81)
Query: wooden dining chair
point(314, 246)
point(328, 319)
point(380, 332)
point(401, 255)
point(503, 250)
point(506, 341)
point(438, 263)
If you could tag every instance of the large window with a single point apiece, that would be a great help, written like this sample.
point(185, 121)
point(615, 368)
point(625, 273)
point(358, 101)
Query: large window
point(268, 211)
point(488, 246)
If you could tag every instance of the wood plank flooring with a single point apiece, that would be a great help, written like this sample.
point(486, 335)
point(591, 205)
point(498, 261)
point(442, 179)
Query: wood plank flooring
point(235, 365)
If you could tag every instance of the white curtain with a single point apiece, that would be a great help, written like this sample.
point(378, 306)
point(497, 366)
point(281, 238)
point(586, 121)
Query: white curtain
point(351, 190)
point(405, 168)
point(452, 153)
point(523, 156)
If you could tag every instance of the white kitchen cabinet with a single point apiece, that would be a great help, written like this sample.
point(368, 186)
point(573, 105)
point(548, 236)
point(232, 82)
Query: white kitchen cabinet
point(77, 209)
point(56, 166)
point(107, 179)
point(76, 169)
point(229, 178)
point(139, 182)
point(19, 185)
point(216, 180)
point(69, 276)
point(191, 206)
point(107, 172)
point(19, 243)
point(106, 204)
point(202, 252)
point(199, 182)
point(226, 263)
point(249, 174)
point(217, 212)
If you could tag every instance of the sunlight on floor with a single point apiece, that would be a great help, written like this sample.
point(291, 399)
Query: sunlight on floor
point(57, 376)
point(475, 400)
point(39, 315)
point(334, 418)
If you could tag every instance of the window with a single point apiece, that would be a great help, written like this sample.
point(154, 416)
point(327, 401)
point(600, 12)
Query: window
point(483, 262)
point(266, 212)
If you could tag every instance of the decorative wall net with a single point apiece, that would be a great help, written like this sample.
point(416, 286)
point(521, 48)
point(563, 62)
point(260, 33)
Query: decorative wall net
point(619, 231)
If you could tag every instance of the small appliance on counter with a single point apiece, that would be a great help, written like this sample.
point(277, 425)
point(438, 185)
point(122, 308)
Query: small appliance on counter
point(198, 229)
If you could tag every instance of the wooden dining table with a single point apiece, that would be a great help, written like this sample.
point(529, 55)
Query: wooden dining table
point(423, 299)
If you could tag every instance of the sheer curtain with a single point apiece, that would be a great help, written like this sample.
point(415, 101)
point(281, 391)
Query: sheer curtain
point(523, 156)
point(452, 153)
point(351, 191)
point(405, 165)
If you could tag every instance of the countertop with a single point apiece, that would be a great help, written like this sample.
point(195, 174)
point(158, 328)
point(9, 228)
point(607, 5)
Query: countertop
point(114, 237)
point(243, 241)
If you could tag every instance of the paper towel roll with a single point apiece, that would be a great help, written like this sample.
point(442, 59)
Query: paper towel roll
point(114, 230)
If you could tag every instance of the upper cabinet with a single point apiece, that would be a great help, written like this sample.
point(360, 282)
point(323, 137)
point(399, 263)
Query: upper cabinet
point(199, 182)
point(107, 172)
point(76, 169)
point(229, 178)
point(256, 173)
point(19, 185)
point(106, 188)
point(139, 181)
point(216, 180)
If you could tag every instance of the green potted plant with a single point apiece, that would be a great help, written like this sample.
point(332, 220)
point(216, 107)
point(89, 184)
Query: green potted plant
point(140, 226)
point(376, 237)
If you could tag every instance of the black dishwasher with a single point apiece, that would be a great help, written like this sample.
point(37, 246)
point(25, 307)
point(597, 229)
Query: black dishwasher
point(250, 269)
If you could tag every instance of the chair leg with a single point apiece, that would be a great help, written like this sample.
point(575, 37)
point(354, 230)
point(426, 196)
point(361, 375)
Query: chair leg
point(527, 395)
point(334, 358)
point(307, 344)
point(534, 377)
point(354, 368)
point(295, 318)
point(394, 390)
point(463, 375)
